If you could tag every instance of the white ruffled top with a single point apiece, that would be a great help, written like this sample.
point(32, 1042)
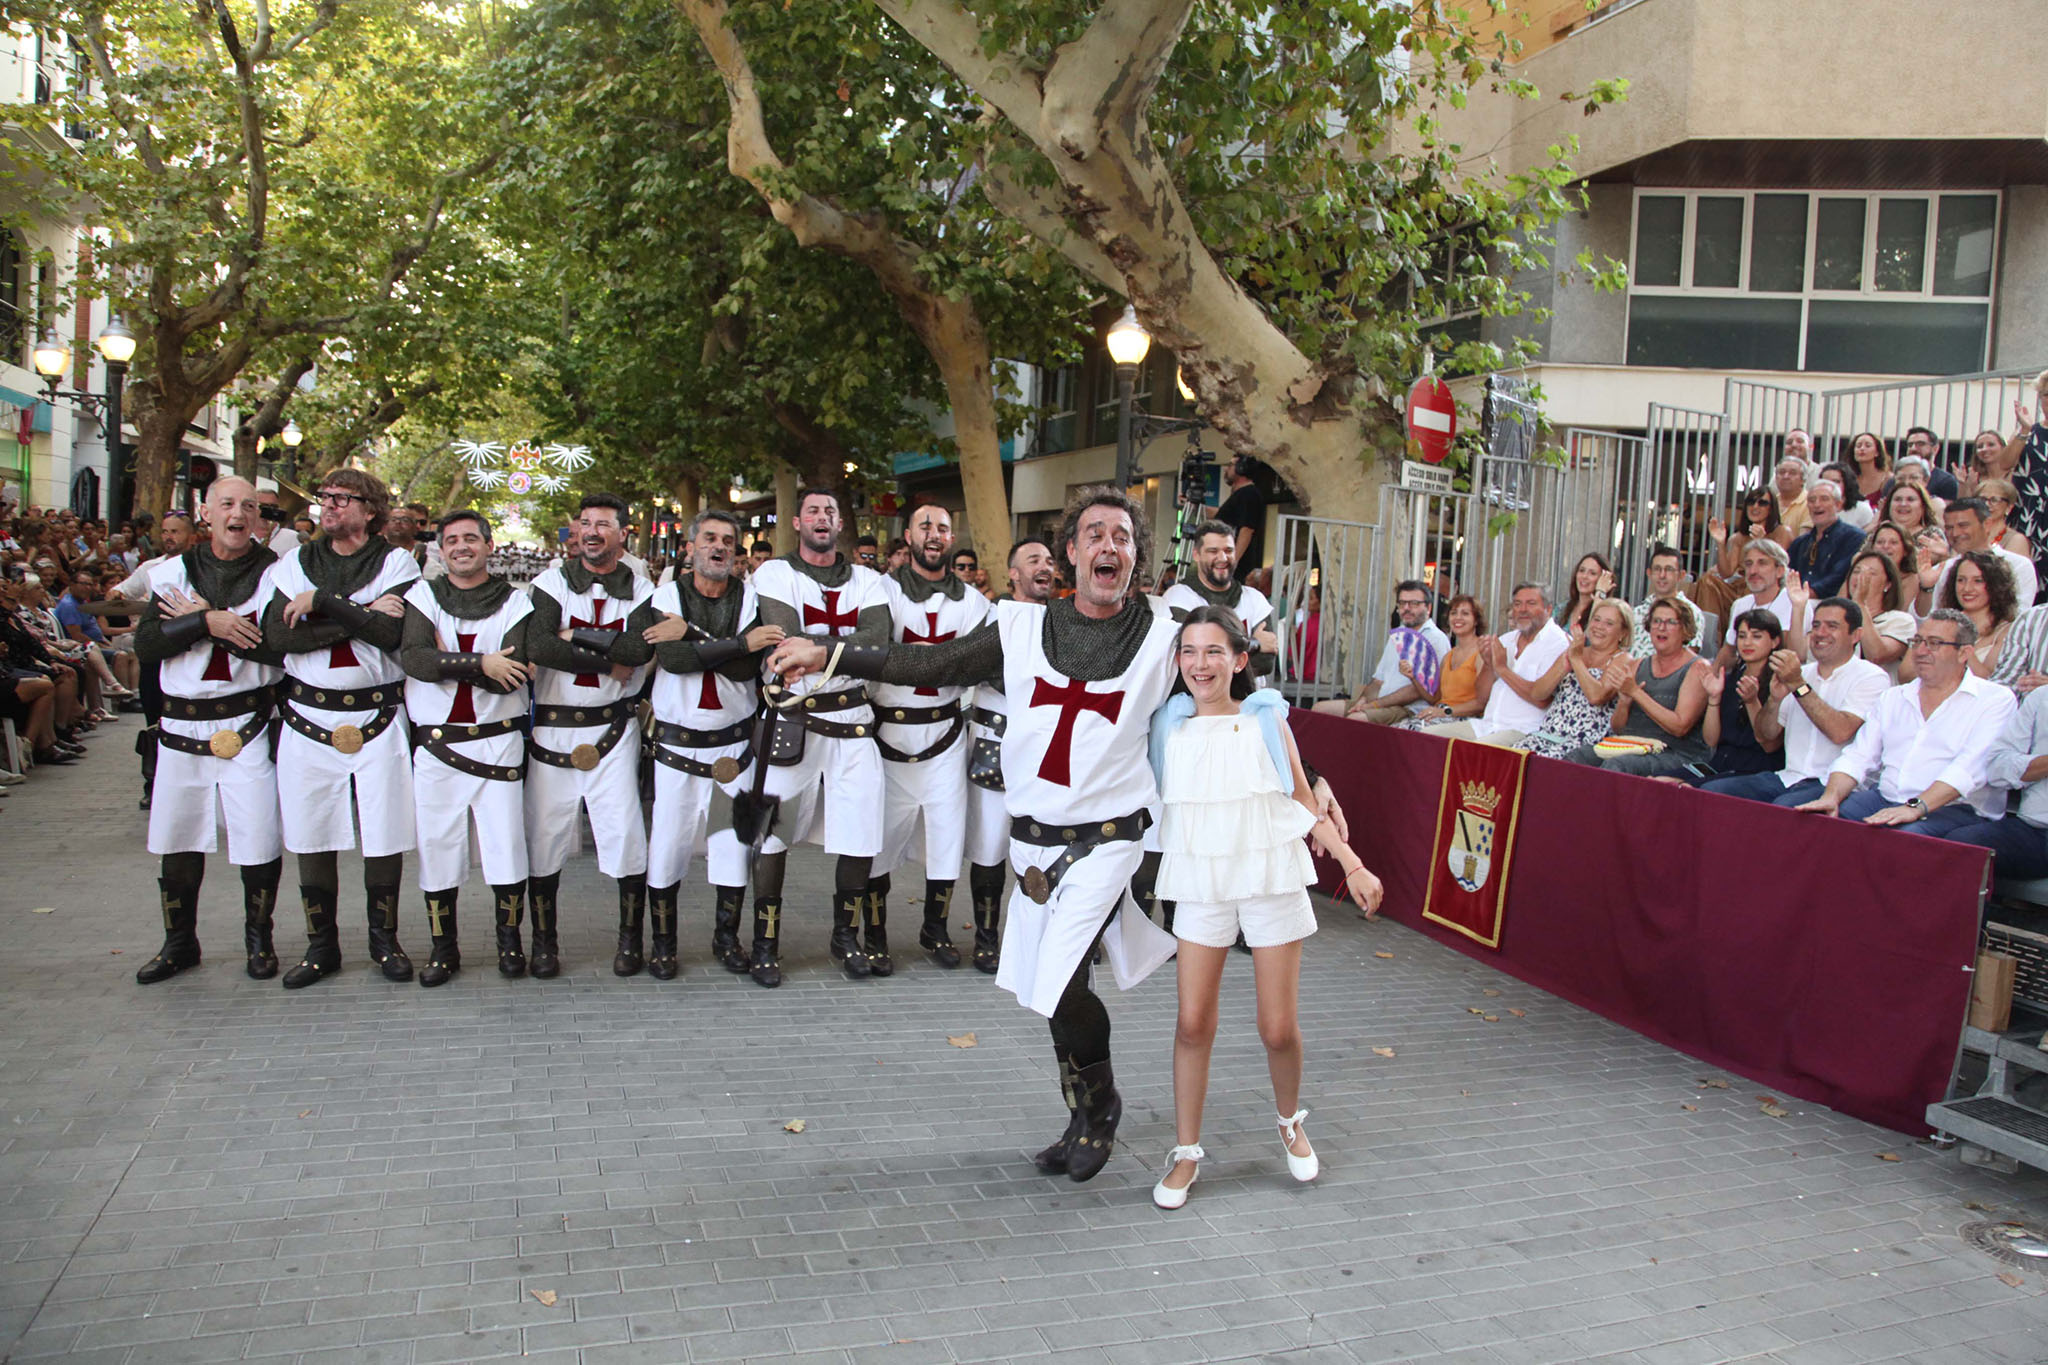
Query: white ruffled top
point(1228, 832)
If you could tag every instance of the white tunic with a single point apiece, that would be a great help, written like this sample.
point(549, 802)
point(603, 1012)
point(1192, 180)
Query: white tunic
point(706, 700)
point(188, 787)
point(929, 796)
point(1075, 754)
point(824, 613)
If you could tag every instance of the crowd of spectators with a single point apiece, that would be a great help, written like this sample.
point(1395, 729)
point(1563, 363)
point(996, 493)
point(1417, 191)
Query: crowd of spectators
point(1877, 650)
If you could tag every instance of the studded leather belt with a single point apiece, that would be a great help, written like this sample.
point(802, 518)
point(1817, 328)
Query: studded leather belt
point(222, 743)
point(919, 715)
point(682, 737)
point(220, 708)
point(439, 739)
point(617, 717)
point(347, 739)
point(1078, 841)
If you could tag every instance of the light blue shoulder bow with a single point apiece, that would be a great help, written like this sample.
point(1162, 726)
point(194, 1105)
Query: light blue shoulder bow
point(1267, 706)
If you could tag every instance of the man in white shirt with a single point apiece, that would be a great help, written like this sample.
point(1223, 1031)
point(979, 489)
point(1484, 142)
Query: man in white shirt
point(277, 537)
point(1962, 521)
point(1821, 708)
point(1391, 695)
point(1518, 659)
point(1928, 744)
point(1764, 565)
point(2018, 762)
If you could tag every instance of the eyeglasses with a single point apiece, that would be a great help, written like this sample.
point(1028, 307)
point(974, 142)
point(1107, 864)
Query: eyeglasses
point(1929, 642)
point(341, 499)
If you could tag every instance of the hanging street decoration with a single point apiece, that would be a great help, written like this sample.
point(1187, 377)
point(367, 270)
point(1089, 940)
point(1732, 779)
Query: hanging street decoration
point(523, 467)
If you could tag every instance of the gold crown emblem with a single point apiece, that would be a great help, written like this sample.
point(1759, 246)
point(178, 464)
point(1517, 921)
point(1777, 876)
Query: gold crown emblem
point(1478, 796)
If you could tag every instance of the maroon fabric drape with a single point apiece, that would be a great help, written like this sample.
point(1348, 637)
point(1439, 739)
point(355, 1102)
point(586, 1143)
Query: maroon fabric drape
point(1821, 958)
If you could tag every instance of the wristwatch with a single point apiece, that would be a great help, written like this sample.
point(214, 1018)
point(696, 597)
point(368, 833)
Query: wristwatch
point(1917, 804)
point(1802, 689)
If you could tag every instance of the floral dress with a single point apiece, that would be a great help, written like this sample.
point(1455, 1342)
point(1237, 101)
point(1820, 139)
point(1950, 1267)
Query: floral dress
point(1572, 721)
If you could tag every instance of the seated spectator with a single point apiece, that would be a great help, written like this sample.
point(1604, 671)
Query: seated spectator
point(1819, 709)
point(36, 689)
point(1964, 528)
point(1462, 678)
point(1910, 506)
point(1820, 554)
point(1718, 589)
point(2017, 762)
point(1875, 587)
point(1872, 465)
point(1924, 448)
point(1580, 688)
point(1735, 700)
point(1663, 700)
point(1592, 580)
point(1925, 750)
point(1789, 482)
point(1979, 587)
point(2000, 498)
point(1665, 573)
point(1394, 692)
point(1855, 511)
point(1515, 660)
point(116, 644)
point(1764, 565)
point(1889, 539)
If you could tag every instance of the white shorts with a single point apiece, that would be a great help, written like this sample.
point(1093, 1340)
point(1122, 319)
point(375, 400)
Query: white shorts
point(988, 827)
point(838, 788)
point(313, 790)
point(612, 792)
point(444, 799)
point(183, 800)
point(932, 794)
point(1265, 921)
point(681, 829)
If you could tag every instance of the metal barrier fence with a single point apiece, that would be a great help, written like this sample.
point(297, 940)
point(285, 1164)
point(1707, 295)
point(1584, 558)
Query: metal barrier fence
point(1754, 420)
point(1955, 408)
point(1326, 598)
point(1678, 477)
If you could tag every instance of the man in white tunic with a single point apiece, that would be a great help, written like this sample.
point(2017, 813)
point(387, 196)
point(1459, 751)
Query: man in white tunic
point(707, 638)
point(1083, 676)
point(464, 654)
point(822, 765)
point(337, 615)
point(201, 635)
point(1032, 579)
point(586, 728)
point(923, 741)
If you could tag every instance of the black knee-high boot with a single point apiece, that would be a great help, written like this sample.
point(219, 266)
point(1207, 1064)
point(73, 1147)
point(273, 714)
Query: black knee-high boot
point(1082, 1023)
point(933, 938)
point(259, 908)
point(661, 950)
point(986, 885)
point(1053, 1160)
point(444, 960)
point(380, 888)
point(876, 940)
point(631, 956)
point(510, 900)
point(729, 902)
point(541, 893)
point(766, 967)
point(849, 905)
point(323, 938)
point(178, 894)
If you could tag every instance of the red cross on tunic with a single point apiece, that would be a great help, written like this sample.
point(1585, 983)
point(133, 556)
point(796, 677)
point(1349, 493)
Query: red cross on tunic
point(1072, 697)
point(707, 699)
point(464, 710)
point(341, 656)
point(577, 622)
point(930, 637)
point(219, 667)
point(830, 618)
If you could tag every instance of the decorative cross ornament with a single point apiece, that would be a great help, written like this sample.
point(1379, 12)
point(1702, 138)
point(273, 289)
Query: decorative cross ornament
point(1072, 698)
point(930, 637)
point(830, 618)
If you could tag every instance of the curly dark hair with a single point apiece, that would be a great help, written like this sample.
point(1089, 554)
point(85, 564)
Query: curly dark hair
point(1998, 584)
point(1102, 495)
point(376, 497)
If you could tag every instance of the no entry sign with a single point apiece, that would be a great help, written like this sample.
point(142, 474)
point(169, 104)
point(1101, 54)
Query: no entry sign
point(1432, 419)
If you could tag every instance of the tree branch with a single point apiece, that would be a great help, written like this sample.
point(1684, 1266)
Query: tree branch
point(1007, 79)
point(323, 15)
point(1037, 211)
point(1105, 78)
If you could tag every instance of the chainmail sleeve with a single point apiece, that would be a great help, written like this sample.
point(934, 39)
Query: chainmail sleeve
point(546, 649)
point(310, 634)
point(975, 657)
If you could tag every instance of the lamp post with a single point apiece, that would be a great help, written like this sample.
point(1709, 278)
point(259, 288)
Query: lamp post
point(1128, 344)
point(116, 345)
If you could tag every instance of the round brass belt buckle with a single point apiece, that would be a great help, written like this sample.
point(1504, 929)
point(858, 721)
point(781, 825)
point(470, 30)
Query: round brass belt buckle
point(725, 769)
point(347, 739)
point(584, 757)
point(225, 743)
point(1037, 885)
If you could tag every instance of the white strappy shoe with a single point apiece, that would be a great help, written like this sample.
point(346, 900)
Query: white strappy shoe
point(1303, 1168)
point(1164, 1195)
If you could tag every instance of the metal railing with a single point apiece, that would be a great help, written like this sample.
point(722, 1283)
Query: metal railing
point(1955, 408)
point(1326, 600)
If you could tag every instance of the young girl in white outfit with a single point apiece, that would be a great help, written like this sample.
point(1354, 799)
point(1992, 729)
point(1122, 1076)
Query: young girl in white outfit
point(1237, 806)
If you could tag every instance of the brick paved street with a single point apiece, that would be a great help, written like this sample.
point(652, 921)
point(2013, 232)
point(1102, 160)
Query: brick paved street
point(214, 1170)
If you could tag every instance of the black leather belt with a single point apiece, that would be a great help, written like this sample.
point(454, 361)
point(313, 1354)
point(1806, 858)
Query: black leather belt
point(1079, 840)
point(220, 708)
point(346, 738)
point(439, 739)
point(992, 720)
point(618, 716)
point(985, 758)
point(345, 698)
point(216, 745)
point(682, 737)
point(914, 715)
point(818, 704)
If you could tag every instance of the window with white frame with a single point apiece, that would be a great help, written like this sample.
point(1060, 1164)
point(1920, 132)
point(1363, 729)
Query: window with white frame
point(1885, 283)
